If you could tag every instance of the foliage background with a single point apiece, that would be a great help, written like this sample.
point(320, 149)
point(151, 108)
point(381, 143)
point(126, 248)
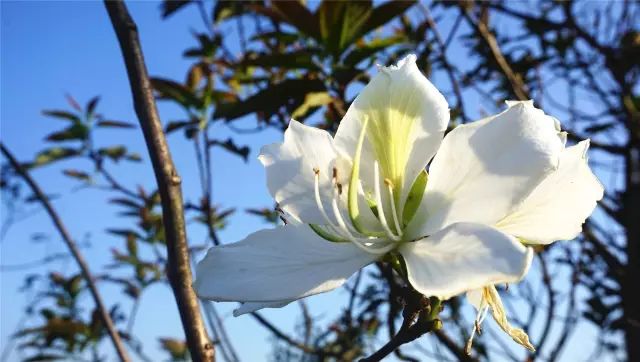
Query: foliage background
point(581, 68)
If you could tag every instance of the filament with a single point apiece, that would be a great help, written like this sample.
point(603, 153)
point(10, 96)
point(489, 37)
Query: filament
point(379, 207)
point(319, 204)
point(482, 313)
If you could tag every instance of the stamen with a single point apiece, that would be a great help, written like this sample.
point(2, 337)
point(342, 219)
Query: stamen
point(320, 206)
point(482, 313)
point(323, 233)
point(359, 242)
point(393, 206)
point(383, 220)
point(336, 195)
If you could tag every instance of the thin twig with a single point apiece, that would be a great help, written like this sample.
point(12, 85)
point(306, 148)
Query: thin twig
point(178, 268)
point(443, 58)
point(453, 347)
point(75, 251)
point(282, 336)
point(517, 85)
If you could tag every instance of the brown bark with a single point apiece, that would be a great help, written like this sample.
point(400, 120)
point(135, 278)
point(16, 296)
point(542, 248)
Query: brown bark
point(178, 268)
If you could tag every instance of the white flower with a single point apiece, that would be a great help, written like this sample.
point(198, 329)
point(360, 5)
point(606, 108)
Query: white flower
point(355, 197)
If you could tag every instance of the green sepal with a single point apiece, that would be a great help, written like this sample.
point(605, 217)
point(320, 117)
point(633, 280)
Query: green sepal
point(414, 198)
point(326, 235)
point(396, 261)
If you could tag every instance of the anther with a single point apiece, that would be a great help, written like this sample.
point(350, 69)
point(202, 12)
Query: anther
point(478, 328)
point(388, 182)
point(335, 173)
point(316, 171)
point(339, 186)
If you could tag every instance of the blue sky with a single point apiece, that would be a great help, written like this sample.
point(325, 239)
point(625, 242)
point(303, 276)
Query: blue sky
point(53, 48)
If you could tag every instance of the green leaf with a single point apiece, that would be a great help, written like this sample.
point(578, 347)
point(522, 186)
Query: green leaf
point(74, 284)
point(127, 233)
point(83, 176)
point(171, 6)
point(62, 115)
point(311, 101)
point(269, 100)
point(383, 14)
point(340, 22)
point(76, 131)
point(115, 124)
point(176, 125)
point(298, 15)
point(268, 214)
point(91, 106)
point(133, 157)
point(194, 76)
point(225, 9)
point(115, 153)
point(168, 89)
point(368, 50)
point(126, 203)
point(132, 245)
point(230, 146)
point(300, 59)
point(176, 348)
point(54, 154)
point(414, 197)
point(45, 357)
point(281, 37)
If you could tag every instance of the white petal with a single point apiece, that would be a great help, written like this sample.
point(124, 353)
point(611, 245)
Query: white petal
point(290, 170)
point(274, 265)
point(251, 307)
point(463, 257)
point(558, 207)
point(407, 119)
point(484, 169)
point(475, 298)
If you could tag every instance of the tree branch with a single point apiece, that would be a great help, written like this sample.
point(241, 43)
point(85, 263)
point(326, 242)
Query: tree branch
point(517, 85)
point(178, 268)
point(280, 335)
point(453, 347)
point(420, 316)
point(75, 251)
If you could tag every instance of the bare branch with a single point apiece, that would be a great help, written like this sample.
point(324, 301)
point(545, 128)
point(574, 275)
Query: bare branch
point(178, 268)
point(75, 251)
point(517, 84)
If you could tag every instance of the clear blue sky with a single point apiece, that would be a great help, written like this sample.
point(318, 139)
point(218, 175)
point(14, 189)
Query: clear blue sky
point(53, 48)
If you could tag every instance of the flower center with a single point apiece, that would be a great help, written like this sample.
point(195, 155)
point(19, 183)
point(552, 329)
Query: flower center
point(337, 229)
